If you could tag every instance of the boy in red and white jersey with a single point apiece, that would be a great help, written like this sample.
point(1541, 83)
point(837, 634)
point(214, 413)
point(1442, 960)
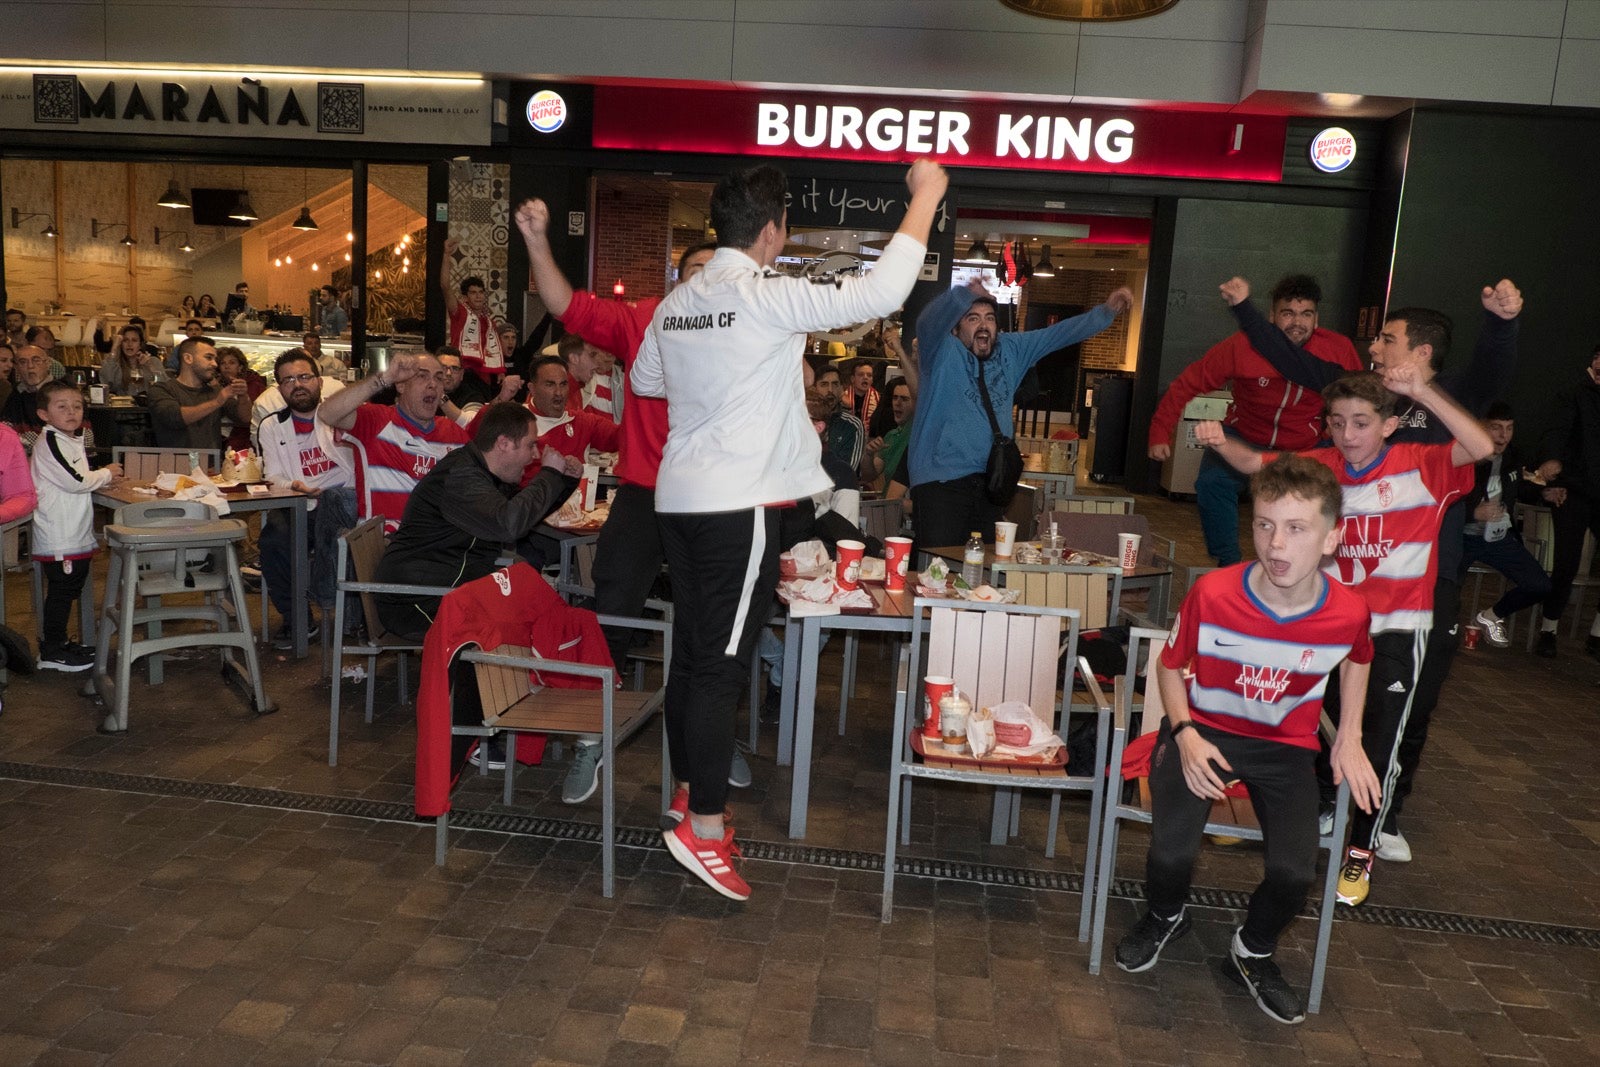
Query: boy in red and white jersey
point(1242, 679)
point(1395, 497)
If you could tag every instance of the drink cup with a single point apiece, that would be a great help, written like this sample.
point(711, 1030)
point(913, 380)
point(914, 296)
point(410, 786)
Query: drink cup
point(1473, 636)
point(953, 712)
point(787, 567)
point(937, 687)
point(847, 571)
point(1050, 548)
point(896, 559)
point(1128, 551)
point(1005, 539)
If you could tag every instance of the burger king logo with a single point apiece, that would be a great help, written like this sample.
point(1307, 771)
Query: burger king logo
point(547, 111)
point(1332, 150)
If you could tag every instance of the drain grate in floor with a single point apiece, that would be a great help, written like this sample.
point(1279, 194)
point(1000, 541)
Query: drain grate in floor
point(775, 852)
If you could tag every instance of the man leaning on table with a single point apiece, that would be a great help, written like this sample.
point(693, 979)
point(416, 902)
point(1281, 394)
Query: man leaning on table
point(187, 411)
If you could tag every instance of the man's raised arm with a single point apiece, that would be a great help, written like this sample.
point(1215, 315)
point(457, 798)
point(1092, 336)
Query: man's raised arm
point(1240, 456)
point(339, 410)
point(533, 222)
point(1286, 357)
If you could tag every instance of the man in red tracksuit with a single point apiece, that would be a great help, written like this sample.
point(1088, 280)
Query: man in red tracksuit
point(1268, 411)
point(628, 556)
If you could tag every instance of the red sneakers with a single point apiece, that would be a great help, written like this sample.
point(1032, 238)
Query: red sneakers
point(710, 861)
point(677, 811)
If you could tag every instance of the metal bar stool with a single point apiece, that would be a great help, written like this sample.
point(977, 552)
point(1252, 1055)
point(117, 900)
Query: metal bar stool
point(162, 548)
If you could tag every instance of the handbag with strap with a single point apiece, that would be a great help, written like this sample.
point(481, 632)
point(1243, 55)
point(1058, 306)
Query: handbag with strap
point(1003, 469)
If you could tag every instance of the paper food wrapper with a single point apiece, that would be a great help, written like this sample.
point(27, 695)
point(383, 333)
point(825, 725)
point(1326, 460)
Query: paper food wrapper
point(811, 558)
point(805, 595)
point(196, 485)
point(1010, 729)
point(241, 465)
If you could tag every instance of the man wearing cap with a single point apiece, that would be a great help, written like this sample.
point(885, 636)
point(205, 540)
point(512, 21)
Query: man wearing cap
point(968, 366)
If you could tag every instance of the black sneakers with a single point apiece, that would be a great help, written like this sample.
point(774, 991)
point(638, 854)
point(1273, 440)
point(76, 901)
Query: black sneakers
point(1141, 947)
point(1547, 644)
point(1263, 981)
point(69, 657)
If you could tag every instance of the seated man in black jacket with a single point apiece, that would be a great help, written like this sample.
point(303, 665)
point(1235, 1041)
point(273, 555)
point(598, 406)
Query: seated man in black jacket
point(466, 509)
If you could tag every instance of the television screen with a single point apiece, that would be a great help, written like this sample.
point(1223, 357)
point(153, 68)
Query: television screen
point(211, 206)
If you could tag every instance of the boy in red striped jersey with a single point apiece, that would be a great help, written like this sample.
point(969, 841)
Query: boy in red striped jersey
point(1395, 496)
point(1242, 679)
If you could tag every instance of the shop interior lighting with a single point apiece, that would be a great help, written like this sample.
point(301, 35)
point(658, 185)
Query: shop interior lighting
point(243, 211)
point(1044, 268)
point(18, 217)
point(173, 197)
point(305, 221)
point(979, 252)
point(185, 247)
point(96, 228)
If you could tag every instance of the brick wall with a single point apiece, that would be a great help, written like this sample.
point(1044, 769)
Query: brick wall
point(633, 238)
point(1107, 350)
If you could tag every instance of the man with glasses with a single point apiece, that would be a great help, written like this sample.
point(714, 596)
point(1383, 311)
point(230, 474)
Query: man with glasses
point(298, 452)
point(399, 443)
point(466, 395)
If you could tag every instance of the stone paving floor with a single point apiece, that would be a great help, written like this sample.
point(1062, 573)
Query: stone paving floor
point(140, 926)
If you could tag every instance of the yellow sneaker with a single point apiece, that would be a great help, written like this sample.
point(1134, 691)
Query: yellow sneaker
point(1355, 877)
point(1225, 840)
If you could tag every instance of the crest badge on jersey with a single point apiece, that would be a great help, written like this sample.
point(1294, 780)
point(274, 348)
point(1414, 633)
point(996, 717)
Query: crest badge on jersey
point(1385, 493)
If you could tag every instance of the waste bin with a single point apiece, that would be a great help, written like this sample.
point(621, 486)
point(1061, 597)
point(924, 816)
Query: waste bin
point(1179, 472)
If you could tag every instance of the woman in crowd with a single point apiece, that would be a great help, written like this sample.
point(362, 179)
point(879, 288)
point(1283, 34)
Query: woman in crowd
point(187, 309)
point(130, 368)
point(231, 366)
point(207, 308)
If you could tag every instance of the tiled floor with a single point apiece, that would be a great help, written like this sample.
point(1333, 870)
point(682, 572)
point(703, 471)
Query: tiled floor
point(145, 923)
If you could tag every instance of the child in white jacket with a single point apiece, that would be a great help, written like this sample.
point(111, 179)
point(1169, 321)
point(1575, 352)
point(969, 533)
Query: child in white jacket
point(63, 524)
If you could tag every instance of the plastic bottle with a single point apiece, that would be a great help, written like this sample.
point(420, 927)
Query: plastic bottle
point(972, 561)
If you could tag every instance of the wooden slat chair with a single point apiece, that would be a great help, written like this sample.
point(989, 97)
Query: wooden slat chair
point(148, 464)
point(1093, 505)
point(1094, 592)
point(513, 702)
point(883, 518)
point(996, 652)
point(360, 550)
point(1230, 817)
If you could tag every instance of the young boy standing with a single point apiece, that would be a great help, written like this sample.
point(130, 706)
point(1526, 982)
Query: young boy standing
point(1242, 679)
point(1395, 496)
point(63, 523)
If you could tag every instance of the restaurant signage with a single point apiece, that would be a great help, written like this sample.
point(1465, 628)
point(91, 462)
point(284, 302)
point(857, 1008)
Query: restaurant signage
point(219, 104)
point(1333, 150)
point(1010, 134)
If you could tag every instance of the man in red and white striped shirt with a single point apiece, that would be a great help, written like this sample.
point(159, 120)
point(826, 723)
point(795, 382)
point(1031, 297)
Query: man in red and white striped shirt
point(398, 444)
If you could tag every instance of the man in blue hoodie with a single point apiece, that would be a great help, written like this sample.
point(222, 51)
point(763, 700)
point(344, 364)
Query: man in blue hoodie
point(960, 347)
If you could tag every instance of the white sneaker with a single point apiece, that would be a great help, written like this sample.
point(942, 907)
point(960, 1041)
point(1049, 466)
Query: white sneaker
point(1493, 629)
point(1393, 848)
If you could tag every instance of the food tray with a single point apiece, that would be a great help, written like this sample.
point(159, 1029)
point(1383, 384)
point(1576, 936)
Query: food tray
point(936, 750)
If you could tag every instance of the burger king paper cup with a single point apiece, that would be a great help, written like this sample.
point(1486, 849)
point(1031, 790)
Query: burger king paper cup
point(896, 558)
point(1005, 539)
point(1128, 551)
point(847, 571)
point(937, 687)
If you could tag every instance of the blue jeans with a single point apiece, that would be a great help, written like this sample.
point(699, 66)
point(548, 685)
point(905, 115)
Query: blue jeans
point(335, 513)
point(1217, 489)
point(1528, 584)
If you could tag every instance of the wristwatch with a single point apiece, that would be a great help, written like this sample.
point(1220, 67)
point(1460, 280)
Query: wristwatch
point(1179, 728)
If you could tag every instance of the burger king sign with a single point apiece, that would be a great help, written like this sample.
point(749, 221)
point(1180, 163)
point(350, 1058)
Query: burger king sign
point(1332, 150)
point(546, 111)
